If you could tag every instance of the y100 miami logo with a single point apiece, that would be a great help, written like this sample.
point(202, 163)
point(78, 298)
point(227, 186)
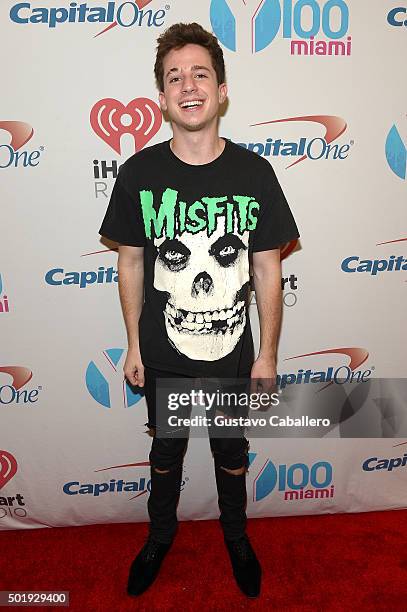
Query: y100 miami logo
point(127, 14)
point(105, 380)
point(396, 152)
point(345, 373)
point(294, 482)
point(250, 24)
point(397, 16)
point(19, 133)
point(13, 386)
point(316, 148)
point(376, 266)
point(4, 305)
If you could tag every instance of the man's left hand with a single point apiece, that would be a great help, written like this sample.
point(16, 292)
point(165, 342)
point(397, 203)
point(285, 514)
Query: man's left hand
point(263, 375)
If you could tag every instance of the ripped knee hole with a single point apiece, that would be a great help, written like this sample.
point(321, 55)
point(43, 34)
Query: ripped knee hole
point(234, 472)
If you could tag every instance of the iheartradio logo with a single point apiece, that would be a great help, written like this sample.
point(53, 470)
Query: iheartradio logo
point(110, 119)
point(8, 467)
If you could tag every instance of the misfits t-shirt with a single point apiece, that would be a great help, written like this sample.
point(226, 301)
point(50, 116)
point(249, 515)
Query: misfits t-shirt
point(198, 226)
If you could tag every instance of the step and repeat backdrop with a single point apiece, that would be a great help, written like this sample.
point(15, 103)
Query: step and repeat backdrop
point(316, 87)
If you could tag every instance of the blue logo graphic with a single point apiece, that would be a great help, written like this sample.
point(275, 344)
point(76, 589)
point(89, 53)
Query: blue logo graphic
point(291, 480)
point(4, 305)
point(58, 277)
point(113, 486)
point(265, 24)
point(396, 153)
point(376, 463)
point(374, 266)
point(126, 14)
point(106, 380)
point(397, 16)
point(264, 21)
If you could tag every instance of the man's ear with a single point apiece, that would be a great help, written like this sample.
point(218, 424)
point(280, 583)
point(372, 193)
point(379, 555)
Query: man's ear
point(223, 92)
point(162, 100)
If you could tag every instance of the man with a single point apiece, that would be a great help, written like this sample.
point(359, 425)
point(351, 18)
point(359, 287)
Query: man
point(189, 214)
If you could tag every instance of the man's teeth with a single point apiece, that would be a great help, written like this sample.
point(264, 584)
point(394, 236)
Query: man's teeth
point(209, 321)
point(191, 103)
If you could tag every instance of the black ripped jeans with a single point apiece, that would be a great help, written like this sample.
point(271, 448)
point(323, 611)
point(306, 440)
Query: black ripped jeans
point(167, 456)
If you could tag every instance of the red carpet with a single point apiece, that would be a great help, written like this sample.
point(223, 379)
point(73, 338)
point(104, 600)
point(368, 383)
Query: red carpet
point(331, 562)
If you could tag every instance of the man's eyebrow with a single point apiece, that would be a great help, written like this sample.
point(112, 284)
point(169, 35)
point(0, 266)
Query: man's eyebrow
point(195, 67)
point(171, 70)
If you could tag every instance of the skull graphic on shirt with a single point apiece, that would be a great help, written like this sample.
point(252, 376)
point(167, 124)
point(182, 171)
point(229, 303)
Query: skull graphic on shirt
point(206, 279)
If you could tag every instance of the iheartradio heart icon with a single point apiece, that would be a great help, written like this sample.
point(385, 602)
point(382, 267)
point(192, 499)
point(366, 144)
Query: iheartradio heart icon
point(110, 119)
point(8, 467)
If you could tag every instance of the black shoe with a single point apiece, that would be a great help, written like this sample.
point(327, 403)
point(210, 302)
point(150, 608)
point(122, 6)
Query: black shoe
point(246, 567)
point(145, 567)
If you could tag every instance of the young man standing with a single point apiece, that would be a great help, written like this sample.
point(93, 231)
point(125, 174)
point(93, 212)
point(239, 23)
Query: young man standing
point(189, 214)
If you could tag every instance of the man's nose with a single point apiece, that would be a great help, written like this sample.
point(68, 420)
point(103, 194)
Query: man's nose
point(188, 84)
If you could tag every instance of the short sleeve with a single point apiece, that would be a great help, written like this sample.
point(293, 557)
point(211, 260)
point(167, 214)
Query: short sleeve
point(275, 223)
point(123, 222)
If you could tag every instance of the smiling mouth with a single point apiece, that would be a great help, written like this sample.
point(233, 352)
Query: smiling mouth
point(208, 322)
point(191, 104)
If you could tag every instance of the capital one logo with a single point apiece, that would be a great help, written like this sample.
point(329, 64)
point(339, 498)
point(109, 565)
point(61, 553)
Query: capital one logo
point(348, 372)
point(18, 134)
point(110, 119)
point(128, 14)
point(239, 24)
point(140, 486)
point(397, 17)
point(15, 392)
point(304, 148)
point(105, 380)
point(396, 153)
point(8, 467)
point(375, 267)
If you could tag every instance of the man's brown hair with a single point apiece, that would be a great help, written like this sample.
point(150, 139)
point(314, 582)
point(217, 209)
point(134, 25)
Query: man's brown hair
point(181, 34)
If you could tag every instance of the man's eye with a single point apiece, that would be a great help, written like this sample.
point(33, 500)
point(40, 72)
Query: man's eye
point(173, 79)
point(229, 250)
point(201, 74)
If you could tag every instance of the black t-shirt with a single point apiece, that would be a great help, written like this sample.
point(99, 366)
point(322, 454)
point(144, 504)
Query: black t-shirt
point(198, 225)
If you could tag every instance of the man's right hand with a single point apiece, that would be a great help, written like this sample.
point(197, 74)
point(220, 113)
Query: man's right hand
point(133, 368)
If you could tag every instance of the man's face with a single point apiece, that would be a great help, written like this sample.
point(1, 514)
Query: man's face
point(191, 93)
